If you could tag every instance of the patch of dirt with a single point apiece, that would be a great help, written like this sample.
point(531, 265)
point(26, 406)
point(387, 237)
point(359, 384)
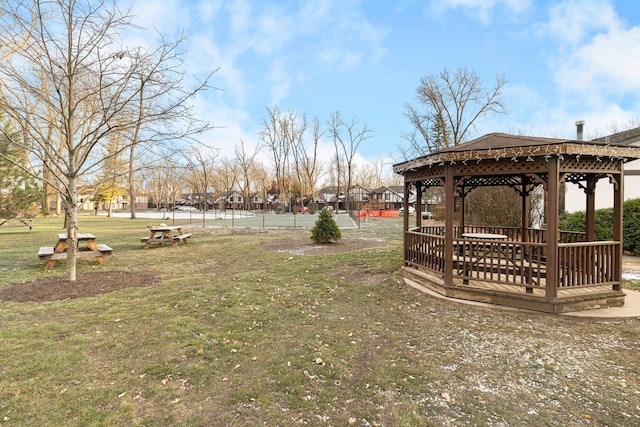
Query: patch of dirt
point(309, 247)
point(362, 276)
point(86, 285)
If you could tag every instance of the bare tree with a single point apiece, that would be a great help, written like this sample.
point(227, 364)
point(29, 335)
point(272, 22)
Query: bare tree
point(307, 163)
point(370, 175)
point(78, 81)
point(227, 175)
point(162, 102)
point(347, 137)
point(280, 133)
point(246, 162)
point(262, 180)
point(112, 174)
point(454, 102)
point(202, 167)
point(272, 139)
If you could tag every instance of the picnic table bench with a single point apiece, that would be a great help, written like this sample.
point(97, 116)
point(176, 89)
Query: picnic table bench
point(165, 234)
point(91, 249)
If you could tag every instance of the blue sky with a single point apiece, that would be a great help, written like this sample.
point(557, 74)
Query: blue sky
point(564, 60)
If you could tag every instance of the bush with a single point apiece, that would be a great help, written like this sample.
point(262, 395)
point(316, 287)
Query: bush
point(604, 224)
point(577, 221)
point(631, 226)
point(325, 230)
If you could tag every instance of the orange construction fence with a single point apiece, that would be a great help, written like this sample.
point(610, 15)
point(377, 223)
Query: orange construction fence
point(379, 213)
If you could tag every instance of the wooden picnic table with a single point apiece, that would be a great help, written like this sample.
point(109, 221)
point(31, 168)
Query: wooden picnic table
point(165, 234)
point(91, 249)
point(28, 223)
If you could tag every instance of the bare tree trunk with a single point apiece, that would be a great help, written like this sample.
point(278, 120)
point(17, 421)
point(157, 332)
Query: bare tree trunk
point(134, 143)
point(132, 187)
point(59, 206)
point(71, 216)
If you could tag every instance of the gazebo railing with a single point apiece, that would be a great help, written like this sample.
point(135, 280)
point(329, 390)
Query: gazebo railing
point(588, 264)
point(534, 235)
point(511, 263)
point(514, 263)
point(425, 251)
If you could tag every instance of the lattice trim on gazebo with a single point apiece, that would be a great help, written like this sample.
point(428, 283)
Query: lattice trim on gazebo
point(498, 180)
point(598, 154)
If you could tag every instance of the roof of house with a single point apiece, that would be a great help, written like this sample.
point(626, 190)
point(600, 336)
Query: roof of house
point(627, 137)
point(397, 189)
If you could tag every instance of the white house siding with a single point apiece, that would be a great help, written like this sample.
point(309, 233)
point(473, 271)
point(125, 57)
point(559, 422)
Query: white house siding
point(575, 199)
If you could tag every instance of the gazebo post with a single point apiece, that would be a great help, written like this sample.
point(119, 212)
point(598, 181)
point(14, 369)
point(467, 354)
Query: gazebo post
point(405, 203)
point(524, 196)
point(418, 186)
point(463, 197)
point(590, 191)
point(448, 224)
point(552, 227)
point(618, 211)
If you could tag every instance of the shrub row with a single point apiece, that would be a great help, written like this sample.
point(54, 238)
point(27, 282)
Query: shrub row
point(576, 221)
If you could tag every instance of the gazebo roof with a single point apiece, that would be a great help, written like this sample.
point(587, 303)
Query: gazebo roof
point(499, 146)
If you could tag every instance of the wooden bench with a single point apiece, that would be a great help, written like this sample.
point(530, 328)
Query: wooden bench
point(106, 250)
point(158, 240)
point(183, 237)
point(47, 253)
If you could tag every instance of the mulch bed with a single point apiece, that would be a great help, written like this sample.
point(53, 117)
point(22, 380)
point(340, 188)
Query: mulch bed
point(86, 285)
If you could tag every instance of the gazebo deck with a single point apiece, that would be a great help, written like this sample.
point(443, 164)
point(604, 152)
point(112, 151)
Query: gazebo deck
point(501, 294)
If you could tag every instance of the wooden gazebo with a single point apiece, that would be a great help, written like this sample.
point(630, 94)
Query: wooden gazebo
point(544, 269)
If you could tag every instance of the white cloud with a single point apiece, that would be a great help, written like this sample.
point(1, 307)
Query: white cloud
point(169, 19)
point(482, 10)
point(280, 82)
point(597, 59)
point(607, 63)
point(570, 22)
point(340, 58)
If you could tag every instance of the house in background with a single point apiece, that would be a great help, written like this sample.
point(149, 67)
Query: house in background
point(328, 196)
point(575, 197)
point(386, 198)
point(229, 200)
point(88, 201)
point(256, 202)
point(358, 196)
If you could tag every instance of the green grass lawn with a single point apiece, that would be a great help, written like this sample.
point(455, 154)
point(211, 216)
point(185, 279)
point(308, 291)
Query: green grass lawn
point(237, 335)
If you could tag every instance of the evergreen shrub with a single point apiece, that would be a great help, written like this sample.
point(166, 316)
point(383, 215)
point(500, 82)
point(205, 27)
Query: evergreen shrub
point(325, 229)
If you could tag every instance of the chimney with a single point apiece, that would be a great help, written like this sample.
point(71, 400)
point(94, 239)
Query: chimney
point(579, 129)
